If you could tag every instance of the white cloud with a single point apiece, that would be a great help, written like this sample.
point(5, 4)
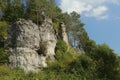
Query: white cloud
point(74, 5)
point(88, 8)
point(99, 12)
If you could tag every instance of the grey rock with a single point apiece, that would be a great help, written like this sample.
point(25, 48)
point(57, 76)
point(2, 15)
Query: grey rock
point(30, 44)
point(27, 59)
point(23, 34)
point(64, 33)
point(47, 36)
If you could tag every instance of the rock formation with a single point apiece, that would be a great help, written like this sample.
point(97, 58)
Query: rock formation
point(30, 44)
point(48, 38)
point(64, 33)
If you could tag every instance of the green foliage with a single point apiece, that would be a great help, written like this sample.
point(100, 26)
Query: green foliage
point(83, 68)
point(12, 11)
point(38, 9)
point(4, 72)
point(56, 26)
point(3, 29)
point(3, 32)
point(69, 68)
point(61, 46)
point(3, 56)
point(75, 29)
point(65, 58)
point(107, 62)
point(89, 46)
point(33, 10)
point(62, 56)
point(98, 63)
point(2, 5)
point(8, 74)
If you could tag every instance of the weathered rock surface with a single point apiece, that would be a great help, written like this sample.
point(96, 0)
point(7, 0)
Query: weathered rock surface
point(30, 44)
point(27, 59)
point(23, 34)
point(64, 33)
point(48, 38)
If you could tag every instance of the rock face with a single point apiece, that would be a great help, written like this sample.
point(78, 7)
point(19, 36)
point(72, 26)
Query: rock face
point(48, 38)
point(30, 44)
point(64, 33)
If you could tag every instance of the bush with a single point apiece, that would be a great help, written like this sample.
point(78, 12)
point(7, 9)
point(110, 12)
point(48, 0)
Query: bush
point(83, 68)
point(56, 26)
point(7, 73)
point(61, 46)
point(60, 50)
point(3, 56)
point(63, 56)
point(3, 32)
point(3, 29)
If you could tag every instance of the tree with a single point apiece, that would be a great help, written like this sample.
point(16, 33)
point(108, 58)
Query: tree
point(3, 4)
point(32, 10)
point(36, 8)
point(14, 9)
point(107, 62)
point(2, 7)
point(75, 28)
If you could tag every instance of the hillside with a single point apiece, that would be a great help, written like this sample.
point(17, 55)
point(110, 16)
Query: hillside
point(40, 42)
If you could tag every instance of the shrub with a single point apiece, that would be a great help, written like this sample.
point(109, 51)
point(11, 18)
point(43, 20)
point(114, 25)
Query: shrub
point(3, 29)
point(3, 55)
point(83, 68)
point(61, 46)
point(3, 32)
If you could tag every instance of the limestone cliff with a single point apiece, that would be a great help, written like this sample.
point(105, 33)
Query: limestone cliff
point(30, 44)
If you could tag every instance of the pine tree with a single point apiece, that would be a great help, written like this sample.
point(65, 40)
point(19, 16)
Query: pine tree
point(75, 28)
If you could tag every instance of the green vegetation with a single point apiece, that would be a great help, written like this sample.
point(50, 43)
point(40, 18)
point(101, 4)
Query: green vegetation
point(61, 46)
point(99, 62)
point(3, 56)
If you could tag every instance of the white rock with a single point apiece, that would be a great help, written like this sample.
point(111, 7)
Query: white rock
point(25, 39)
point(64, 33)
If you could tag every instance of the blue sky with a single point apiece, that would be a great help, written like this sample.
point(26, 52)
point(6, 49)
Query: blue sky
point(101, 18)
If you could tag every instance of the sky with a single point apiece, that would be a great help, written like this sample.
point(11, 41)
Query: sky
point(101, 18)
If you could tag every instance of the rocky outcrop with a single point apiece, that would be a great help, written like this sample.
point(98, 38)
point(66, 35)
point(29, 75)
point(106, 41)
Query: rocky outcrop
point(64, 33)
point(48, 38)
point(30, 44)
